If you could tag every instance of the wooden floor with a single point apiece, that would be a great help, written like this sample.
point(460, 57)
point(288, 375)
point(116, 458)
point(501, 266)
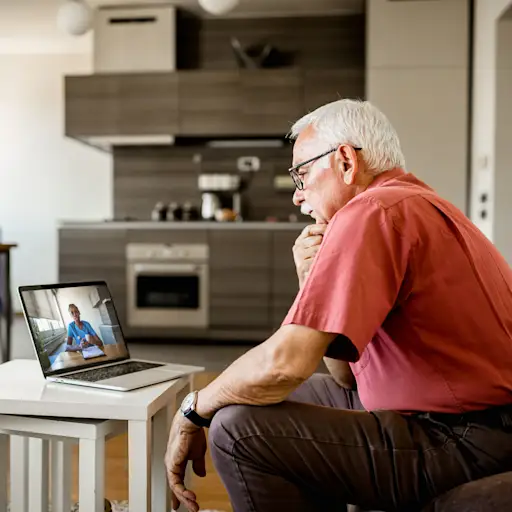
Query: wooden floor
point(210, 491)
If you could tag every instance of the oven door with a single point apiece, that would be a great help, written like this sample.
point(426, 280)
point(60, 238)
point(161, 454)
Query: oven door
point(168, 295)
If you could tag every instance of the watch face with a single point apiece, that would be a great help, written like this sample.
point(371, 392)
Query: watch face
point(187, 402)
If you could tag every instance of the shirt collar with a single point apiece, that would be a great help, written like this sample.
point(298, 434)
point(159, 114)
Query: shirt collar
point(386, 176)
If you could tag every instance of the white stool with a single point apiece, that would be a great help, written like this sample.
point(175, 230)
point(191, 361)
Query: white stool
point(40, 447)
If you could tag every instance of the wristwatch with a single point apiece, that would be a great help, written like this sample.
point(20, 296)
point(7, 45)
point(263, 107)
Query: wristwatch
point(188, 407)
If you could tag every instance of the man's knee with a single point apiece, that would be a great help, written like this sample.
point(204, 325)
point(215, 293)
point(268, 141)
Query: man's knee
point(228, 425)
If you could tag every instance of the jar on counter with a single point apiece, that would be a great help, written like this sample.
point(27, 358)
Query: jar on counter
point(174, 212)
point(159, 212)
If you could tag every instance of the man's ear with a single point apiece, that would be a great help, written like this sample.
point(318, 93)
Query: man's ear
point(349, 166)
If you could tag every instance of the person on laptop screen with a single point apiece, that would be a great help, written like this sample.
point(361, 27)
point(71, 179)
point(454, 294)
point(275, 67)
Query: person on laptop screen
point(80, 332)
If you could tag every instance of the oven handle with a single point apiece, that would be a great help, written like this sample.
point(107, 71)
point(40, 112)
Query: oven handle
point(152, 268)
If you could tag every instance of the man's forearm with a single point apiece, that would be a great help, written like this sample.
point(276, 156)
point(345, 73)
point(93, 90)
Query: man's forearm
point(268, 373)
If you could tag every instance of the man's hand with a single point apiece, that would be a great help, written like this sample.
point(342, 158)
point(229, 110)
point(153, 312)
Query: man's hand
point(305, 248)
point(186, 442)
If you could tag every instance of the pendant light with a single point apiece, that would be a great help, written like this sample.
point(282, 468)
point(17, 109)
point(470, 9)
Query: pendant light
point(218, 7)
point(74, 17)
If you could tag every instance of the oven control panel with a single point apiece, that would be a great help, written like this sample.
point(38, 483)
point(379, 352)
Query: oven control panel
point(164, 252)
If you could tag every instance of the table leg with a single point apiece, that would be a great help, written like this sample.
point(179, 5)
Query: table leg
point(160, 493)
point(60, 476)
point(92, 475)
point(38, 475)
point(139, 464)
point(4, 448)
point(19, 474)
point(6, 307)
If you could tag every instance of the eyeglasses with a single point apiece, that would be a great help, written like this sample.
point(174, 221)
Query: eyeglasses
point(296, 177)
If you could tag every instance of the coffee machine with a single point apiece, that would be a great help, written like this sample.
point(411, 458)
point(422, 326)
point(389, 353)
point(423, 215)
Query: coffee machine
point(220, 196)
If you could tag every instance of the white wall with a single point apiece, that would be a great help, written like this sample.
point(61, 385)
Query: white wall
point(417, 73)
point(484, 104)
point(44, 177)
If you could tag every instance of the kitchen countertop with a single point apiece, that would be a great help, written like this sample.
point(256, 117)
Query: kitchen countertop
point(247, 225)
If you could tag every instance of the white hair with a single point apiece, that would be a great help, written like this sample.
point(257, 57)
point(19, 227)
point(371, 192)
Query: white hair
point(358, 123)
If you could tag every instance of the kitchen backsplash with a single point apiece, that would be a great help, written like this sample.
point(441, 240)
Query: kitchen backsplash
point(145, 175)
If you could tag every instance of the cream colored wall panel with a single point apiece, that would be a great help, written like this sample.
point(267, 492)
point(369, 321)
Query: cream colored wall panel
point(418, 34)
point(428, 108)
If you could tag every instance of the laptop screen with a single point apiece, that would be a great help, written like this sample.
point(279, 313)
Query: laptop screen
point(73, 326)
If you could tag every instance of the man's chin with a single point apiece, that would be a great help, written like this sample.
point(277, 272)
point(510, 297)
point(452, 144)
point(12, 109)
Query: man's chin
point(317, 219)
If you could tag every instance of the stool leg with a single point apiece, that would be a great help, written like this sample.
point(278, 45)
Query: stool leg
point(38, 475)
point(139, 456)
point(4, 447)
point(91, 487)
point(19, 474)
point(60, 476)
point(160, 493)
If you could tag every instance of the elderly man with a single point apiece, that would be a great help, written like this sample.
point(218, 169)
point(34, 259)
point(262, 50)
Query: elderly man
point(397, 289)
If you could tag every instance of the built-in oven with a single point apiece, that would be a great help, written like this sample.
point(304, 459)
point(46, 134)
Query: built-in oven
point(168, 285)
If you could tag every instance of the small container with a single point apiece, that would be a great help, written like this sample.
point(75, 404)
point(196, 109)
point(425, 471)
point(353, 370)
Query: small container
point(159, 212)
point(173, 212)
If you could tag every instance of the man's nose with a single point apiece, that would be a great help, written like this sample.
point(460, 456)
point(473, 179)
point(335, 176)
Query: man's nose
point(298, 197)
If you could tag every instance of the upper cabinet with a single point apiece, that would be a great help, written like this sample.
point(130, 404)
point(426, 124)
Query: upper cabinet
point(124, 104)
point(210, 102)
point(202, 103)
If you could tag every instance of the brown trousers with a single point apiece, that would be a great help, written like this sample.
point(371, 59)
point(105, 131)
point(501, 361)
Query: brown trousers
point(319, 451)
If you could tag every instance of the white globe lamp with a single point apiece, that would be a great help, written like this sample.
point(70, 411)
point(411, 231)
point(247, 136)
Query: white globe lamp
point(218, 7)
point(74, 17)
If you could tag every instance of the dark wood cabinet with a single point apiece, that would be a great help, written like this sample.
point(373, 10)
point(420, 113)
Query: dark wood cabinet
point(284, 281)
point(272, 100)
point(240, 279)
point(202, 103)
point(251, 273)
point(326, 85)
point(121, 104)
point(95, 254)
point(209, 103)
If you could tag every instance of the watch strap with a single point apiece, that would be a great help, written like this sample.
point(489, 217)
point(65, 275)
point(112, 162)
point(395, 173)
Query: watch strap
point(196, 419)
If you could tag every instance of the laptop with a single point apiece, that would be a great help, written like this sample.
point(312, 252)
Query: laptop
point(78, 339)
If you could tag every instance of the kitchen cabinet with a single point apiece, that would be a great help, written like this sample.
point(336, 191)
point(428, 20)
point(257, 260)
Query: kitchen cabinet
point(240, 279)
point(252, 279)
point(272, 100)
point(121, 104)
point(202, 103)
point(95, 254)
point(209, 103)
point(284, 280)
point(323, 86)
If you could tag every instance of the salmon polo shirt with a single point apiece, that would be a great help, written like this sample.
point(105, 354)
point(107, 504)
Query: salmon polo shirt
point(421, 293)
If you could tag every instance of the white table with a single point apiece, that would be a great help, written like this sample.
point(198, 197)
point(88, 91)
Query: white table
point(148, 411)
point(32, 438)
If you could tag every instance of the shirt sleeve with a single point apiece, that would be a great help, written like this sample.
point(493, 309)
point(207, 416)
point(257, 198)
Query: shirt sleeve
point(356, 275)
point(89, 329)
point(71, 334)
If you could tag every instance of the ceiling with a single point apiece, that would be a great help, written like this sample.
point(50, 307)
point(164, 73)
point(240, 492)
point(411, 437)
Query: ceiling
point(29, 26)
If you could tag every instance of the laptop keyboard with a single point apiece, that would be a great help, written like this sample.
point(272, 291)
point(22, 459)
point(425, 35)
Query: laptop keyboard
point(112, 371)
